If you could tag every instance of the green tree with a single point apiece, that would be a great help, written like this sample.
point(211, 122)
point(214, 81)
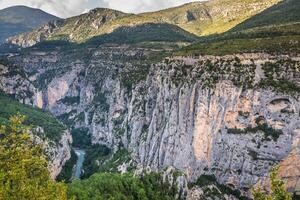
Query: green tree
point(278, 191)
point(115, 186)
point(23, 166)
point(107, 186)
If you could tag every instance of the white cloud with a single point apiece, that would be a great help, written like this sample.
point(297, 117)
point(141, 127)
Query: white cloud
point(61, 8)
point(67, 8)
point(137, 6)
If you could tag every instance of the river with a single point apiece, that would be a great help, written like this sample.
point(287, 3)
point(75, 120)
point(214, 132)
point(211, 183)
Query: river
point(80, 159)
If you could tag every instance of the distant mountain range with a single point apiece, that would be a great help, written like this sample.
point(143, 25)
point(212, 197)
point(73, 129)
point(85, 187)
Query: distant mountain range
point(20, 19)
point(192, 19)
point(207, 26)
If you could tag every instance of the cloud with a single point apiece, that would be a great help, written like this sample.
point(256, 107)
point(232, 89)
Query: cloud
point(61, 8)
point(138, 6)
point(67, 8)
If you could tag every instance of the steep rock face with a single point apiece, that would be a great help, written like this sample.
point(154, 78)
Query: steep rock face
point(14, 82)
point(193, 129)
point(288, 168)
point(59, 154)
point(210, 115)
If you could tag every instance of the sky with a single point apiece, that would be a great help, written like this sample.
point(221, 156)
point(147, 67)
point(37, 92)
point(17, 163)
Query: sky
point(68, 8)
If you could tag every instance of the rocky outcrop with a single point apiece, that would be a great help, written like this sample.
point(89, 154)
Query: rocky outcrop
point(59, 153)
point(225, 116)
point(39, 35)
point(289, 168)
point(15, 82)
point(196, 130)
point(208, 192)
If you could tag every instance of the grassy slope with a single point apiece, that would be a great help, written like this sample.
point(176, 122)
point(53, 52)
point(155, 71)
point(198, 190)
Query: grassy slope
point(36, 117)
point(145, 33)
point(199, 18)
point(277, 30)
point(82, 27)
point(276, 44)
point(284, 12)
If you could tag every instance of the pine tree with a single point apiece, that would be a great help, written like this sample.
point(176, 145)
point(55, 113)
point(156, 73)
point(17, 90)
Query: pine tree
point(23, 166)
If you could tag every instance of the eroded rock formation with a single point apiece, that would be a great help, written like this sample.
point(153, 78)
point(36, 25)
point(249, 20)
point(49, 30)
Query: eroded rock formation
point(209, 115)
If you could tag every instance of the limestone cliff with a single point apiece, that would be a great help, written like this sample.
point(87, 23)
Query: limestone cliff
point(59, 154)
point(233, 116)
point(57, 142)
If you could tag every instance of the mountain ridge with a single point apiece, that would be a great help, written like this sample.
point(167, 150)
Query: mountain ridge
point(19, 19)
point(199, 18)
point(215, 119)
point(276, 29)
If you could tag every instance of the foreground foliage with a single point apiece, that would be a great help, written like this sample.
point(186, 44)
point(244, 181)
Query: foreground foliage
point(23, 167)
point(212, 189)
point(278, 191)
point(109, 186)
point(34, 116)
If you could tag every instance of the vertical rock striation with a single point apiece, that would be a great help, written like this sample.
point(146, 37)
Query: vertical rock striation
point(225, 116)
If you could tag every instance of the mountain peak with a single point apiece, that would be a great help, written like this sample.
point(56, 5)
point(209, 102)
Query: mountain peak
point(19, 7)
point(99, 9)
point(108, 13)
point(18, 19)
point(199, 18)
point(22, 11)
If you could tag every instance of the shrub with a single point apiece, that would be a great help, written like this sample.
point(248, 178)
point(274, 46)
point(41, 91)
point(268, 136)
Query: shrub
point(122, 186)
point(278, 191)
point(23, 167)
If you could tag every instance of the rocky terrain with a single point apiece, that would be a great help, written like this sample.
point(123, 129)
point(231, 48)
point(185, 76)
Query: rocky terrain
point(51, 134)
point(60, 155)
point(198, 18)
point(57, 152)
point(214, 117)
point(206, 115)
